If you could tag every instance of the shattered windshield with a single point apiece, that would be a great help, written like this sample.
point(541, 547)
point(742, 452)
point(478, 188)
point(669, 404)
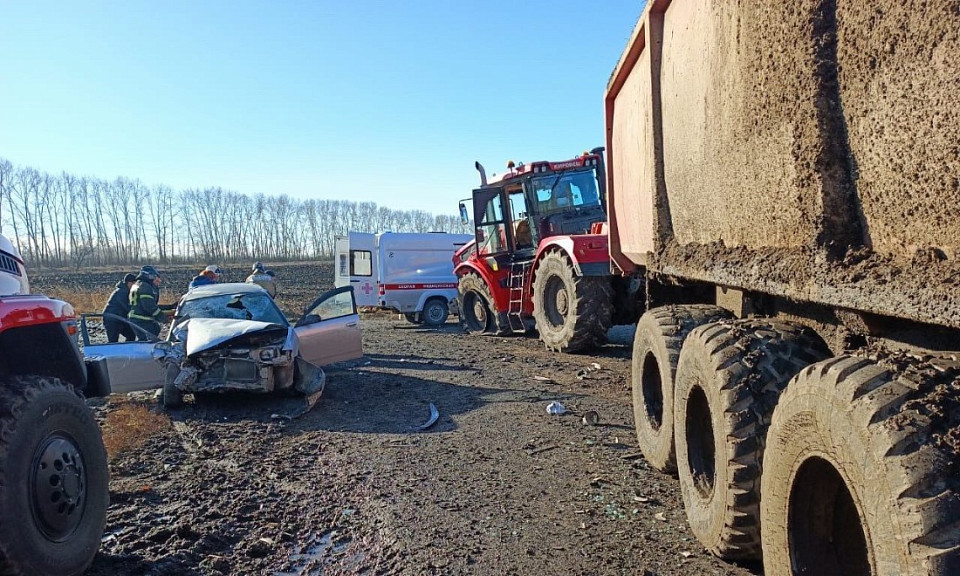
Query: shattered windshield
point(258, 307)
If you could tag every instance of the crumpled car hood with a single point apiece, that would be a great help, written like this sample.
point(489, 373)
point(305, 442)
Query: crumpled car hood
point(206, 333)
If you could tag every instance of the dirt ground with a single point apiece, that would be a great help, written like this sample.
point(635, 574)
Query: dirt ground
point(235, 485)
point(496, 486)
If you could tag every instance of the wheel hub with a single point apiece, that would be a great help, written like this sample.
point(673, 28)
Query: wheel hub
point(563, 304)
point(59, 488)
point(479, 310)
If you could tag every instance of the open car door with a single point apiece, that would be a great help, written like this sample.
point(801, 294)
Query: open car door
point(329, 330)
point(130, 365)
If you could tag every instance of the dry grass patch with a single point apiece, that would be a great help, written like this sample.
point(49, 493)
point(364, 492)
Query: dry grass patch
point(129, 426)
point(83, 301)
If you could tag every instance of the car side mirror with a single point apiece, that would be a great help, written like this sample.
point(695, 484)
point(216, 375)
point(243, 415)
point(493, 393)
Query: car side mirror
point(464, 217)
point(481, 236)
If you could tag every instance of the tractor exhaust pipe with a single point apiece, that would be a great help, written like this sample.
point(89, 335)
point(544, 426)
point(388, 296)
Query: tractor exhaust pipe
point(483, 173)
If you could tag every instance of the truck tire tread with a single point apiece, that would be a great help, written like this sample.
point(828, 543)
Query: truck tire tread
point(656, 349)
point(730, 375)
point(885, 431)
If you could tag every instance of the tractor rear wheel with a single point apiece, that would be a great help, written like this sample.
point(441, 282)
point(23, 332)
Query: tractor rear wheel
point(572, 312)
point(860, 475)
point(53, 481)
point(656, 349)
point(729, 377)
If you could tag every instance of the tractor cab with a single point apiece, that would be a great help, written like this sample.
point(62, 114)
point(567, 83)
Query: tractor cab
point(529, 203)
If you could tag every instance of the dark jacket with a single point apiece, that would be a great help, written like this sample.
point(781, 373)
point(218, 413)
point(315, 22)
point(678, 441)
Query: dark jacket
point(119, 302)
point(144, 301)
point(200, 280)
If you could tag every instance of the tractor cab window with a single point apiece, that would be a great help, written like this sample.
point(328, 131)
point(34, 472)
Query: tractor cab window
point(491, 225)
point(520, 219)
point(560, 192)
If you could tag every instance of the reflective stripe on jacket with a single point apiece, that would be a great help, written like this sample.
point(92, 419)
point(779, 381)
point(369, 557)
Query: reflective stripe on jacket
point(144, 297)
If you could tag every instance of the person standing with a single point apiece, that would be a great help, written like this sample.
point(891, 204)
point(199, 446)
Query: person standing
point(209, 275)
point(263, 278)
point(116, 310)
point(145, 311)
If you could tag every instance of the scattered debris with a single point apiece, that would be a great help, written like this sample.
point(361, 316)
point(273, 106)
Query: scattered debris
point(556, 408)
point(434, 415)
point(660, 516)
point(544, 379)
point(640, 499)
point(590, 418)
point(543, 449)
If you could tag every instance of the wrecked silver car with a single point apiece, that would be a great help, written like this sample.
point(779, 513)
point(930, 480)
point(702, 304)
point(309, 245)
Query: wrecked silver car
point(233, 337)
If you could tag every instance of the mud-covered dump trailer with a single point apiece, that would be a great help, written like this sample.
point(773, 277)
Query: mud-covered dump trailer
point(786, 177)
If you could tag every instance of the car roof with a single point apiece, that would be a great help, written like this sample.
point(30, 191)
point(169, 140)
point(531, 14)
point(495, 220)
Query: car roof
point(230, 288)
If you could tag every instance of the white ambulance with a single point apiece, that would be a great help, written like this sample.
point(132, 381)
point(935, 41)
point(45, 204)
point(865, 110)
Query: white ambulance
point(411, 273)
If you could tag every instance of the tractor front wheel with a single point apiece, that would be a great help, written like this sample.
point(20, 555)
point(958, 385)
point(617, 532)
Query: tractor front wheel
point(572, 312)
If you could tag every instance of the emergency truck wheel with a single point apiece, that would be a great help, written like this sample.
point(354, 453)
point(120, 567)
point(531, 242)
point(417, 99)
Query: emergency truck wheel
point(435, 312)
point(860, 473)
point(572, 312)
point(172, 396)
point(412, 317)
point(476, 308)
point(729, 377)
point(54, 479)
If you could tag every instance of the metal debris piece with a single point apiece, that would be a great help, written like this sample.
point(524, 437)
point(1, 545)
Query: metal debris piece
point(434, 415)
point(590, 418)
point(556, 408)
point(660, 516)
point(595, 365)
point(543, 379)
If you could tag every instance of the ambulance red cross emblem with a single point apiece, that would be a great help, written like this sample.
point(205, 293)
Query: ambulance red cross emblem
point(367, 288)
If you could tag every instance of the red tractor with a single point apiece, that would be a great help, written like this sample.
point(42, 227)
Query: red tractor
point(540, 256)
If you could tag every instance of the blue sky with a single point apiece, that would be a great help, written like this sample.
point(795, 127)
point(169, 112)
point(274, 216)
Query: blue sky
point(378, 101)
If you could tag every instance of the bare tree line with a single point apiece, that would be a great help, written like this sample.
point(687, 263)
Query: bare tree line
point(64, 219)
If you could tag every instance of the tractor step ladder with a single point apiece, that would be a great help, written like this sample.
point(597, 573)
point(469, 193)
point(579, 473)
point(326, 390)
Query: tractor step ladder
point(518, 276)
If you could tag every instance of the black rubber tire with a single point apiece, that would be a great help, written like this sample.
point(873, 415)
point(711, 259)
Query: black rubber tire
point(40, 419)
point(656, 349)
point(477, 312)
point(412, 317)
point(435, 312)
point(856, 480)
point(572, 312)
point(729, 377)
point(172, 397)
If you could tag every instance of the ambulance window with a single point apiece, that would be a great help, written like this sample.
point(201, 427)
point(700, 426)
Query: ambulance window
point(343, 265)
point(361, 263)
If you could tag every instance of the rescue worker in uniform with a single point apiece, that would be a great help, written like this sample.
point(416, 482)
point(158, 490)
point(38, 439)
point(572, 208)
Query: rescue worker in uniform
point(263, 278)
point(209, 275)
point(145, 309)
point(117, 307)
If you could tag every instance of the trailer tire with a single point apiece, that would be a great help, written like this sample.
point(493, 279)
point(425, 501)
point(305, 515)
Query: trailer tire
point(435, 312)
point(572, 312)
point(53, 479)
point(656, 349)
point(477, 312)
point(172, 397)
point(729, 377)
point(854, 481)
